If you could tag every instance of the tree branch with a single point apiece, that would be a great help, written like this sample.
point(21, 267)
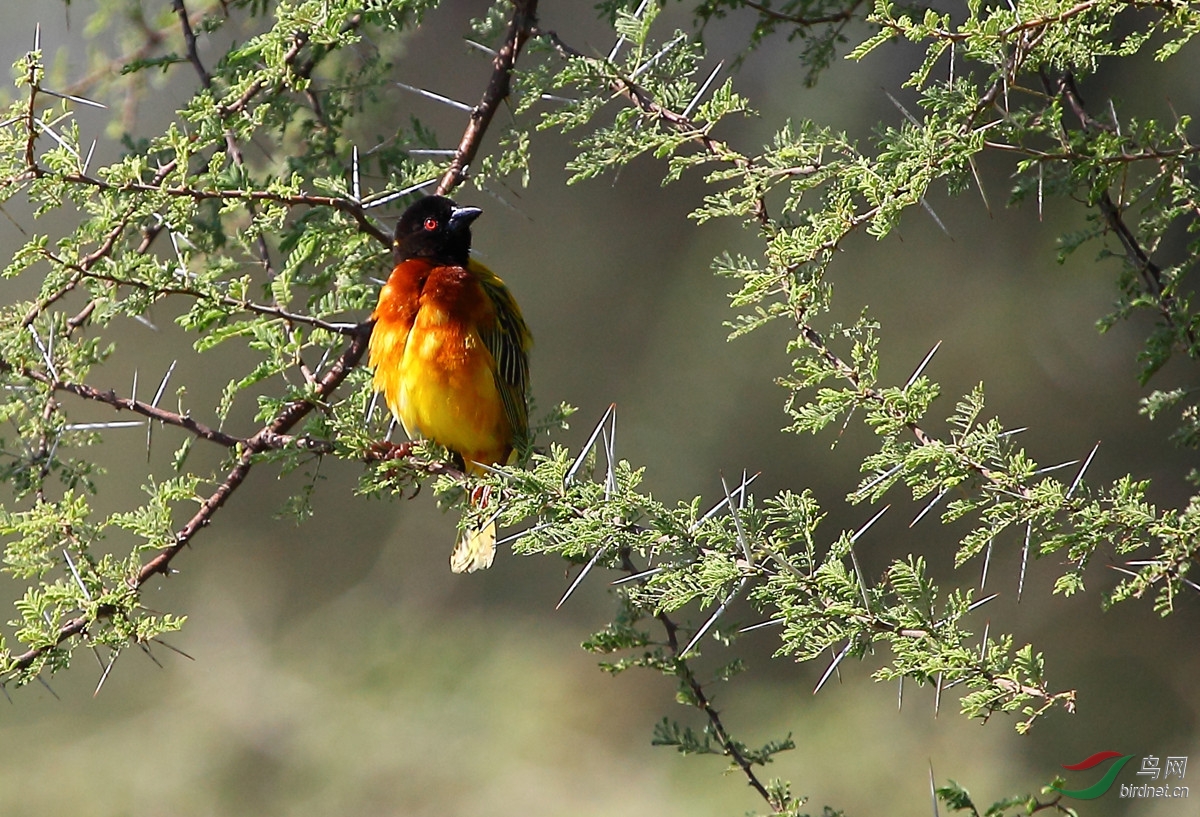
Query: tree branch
point(344, 205)
point(282, 424)
point(189, 41)
point(224, 300)
point(265, 439)
point(519, 27)
point(729, 746)
point(274, 435)
point(1137, 256)
point(803, 22)
point(138, 407)
point(644, 101)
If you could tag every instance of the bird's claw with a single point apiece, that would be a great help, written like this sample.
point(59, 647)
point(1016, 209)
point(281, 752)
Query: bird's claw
point(385, 451)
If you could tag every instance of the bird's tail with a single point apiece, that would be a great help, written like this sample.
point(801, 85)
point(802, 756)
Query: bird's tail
point(474, 550)
point(476, 547)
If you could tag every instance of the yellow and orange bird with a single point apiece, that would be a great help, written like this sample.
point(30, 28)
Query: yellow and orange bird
point(450, 351)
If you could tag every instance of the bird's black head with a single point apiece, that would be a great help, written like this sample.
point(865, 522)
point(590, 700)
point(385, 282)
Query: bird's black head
point(435, 228)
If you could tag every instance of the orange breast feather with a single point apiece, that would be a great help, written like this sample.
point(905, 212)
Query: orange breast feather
point(431, 364)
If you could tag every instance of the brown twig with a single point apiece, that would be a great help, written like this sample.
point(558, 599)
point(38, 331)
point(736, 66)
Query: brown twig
point(729, 746)
point(798, 20)
point(1137, 256)
point(149, 410)
point(524, 19)
point(343, 205)
point(705, 705)
point(189, 41)
point(148, 236)
point(224, 300)
point(645, 102)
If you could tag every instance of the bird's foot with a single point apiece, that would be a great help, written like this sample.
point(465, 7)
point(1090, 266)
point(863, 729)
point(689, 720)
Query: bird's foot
point(479, 495)
point(385, 451)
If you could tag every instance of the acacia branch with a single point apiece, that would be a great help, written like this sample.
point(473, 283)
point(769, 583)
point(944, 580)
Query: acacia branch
point(729, 746)
point(265, 439)
point(1128, 158)
point(801, 21)
point(1034, 25)
point(1136, 255)
point(232, 148)
point(282, 424)
point(34, 170)
point(705, 705)
point(342, 204)
point(645, 102)
point(274, 435)
point(523, 21)
point(148, 410)
point(223, 300)
point(189, 41)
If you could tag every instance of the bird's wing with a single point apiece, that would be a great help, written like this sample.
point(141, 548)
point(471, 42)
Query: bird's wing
point(509, 341)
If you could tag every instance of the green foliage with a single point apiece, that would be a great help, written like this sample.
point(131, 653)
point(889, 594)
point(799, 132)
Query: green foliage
point(268, 265)
point(958, 798)
point(1010, 90)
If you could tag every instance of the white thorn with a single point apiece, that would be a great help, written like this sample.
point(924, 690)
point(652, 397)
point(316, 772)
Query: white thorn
point(713, 618)
point(579, 579)
point(641, 69)
point(924, 363)
point(453, 103)
point(1024, 561)
point(387, 198)
point(832, 666)
point(704, 87)
point(929, 507)
point(1079, 476)
point(612, 407)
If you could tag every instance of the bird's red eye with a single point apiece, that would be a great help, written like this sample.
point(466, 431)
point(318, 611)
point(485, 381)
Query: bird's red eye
point(431, 224)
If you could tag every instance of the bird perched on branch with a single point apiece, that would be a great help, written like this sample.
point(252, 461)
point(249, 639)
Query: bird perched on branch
point(450, 352)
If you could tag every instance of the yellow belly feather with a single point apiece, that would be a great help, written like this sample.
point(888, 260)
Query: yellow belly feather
point(444, 388)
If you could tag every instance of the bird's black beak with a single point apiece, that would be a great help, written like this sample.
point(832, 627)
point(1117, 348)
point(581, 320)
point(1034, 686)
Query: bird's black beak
point(461, 217)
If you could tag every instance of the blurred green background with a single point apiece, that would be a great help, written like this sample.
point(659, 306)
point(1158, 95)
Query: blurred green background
point(341, 669)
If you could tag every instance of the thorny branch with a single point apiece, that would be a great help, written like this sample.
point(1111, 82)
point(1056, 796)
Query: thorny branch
point(519, 29)
point(1137, 256)
point(238, 304)
point(274, 434)
point(800, 20)
point(143, 408)
point(1040, 23)
point(1026, 34)
point(705, 705)
point(701, 700)
point(283, 423)
point(644, 101)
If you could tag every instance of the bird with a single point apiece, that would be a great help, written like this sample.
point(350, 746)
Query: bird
point(449, 351)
